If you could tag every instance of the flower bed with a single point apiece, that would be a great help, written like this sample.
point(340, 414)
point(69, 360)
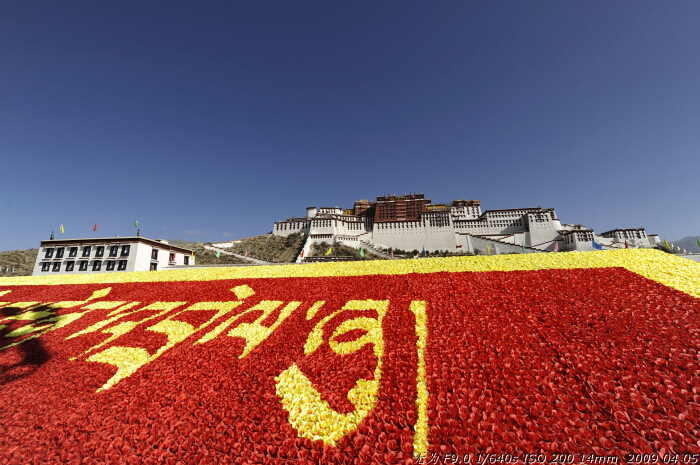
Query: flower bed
point(370, 362)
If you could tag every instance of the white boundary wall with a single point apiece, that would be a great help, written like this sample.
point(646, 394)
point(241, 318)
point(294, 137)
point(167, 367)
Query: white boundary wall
point(410, 235)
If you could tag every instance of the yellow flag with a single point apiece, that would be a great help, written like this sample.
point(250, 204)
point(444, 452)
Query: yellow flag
point(329, 251)
point(667, 246)
point(488, 248)
point(62, 229)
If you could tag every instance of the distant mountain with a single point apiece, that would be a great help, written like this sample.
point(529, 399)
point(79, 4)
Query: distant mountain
point(181, 243)
point(690, 244)
point(22, 261)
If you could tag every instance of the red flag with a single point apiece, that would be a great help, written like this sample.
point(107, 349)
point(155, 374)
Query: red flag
point(174, 256)
point(95, 229)
point(556, 247)
point(626, 245)
point(302, 253)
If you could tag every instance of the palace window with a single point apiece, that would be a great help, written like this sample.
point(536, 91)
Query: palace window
point(187, 260)
point(113, 250)
point(86, 251)
point(49, 253)
point(154, 267)
point(100, 251)
point(122, 265)
point(154, 254)
point(70, 265)
point(73, 252)
point(171, 258)
point(46, 266)
point(59, 252)
point(83, 265)
point(110, 265)
point(56, 266)
point(125, 250)
point(96, 265)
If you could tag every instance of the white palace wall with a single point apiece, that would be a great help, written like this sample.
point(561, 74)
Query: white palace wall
point(285, 228)
point(410, 235)
point(541, 232)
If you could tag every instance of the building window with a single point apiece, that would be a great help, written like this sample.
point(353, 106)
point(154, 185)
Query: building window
point(100, 251)
point(56, 266)
point(73, 252)
point(46, 266)
point(83, 265)
point(110, 265)
point(154, 267)
point(122, 265)
point(96, 265)
point(86, 251)
point(154, 254)
point(59, 252)
point(125, 251)
point(113, 250)
point(187, 260)
point(69, 266)
point(49, 253)
point(172, 257)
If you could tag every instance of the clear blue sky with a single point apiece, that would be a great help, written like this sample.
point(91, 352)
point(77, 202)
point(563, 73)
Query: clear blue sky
point(208, 121)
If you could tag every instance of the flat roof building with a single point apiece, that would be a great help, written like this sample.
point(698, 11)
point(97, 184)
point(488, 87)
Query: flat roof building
point(107, 255)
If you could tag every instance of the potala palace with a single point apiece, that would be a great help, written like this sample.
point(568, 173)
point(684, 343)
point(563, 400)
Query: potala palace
point(412, 222)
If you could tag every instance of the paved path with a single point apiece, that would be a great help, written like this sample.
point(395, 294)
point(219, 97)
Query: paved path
point(366, 246)
point(242, 257)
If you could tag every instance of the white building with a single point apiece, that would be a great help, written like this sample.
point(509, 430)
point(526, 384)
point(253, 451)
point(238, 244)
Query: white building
point(412, 222)
point(107, 255)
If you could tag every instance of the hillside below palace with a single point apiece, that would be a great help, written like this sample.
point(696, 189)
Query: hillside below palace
point(412, 222)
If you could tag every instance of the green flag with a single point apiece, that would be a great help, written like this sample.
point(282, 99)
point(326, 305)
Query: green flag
point(698, 241)
point(362, 252)
point(137, 224)
point(218, 254)
point(523, 246)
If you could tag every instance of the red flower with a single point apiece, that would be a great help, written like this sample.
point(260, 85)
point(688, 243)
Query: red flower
point(537, 362)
